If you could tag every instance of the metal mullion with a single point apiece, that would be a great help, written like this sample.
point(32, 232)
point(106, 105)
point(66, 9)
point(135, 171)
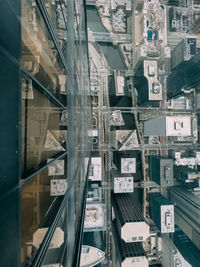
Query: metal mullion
point(53, 36)
point(27, 73)
point(28, 178)
point(49, 235)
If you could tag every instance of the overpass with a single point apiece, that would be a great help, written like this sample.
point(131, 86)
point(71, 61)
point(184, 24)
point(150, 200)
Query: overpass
point(109, 38)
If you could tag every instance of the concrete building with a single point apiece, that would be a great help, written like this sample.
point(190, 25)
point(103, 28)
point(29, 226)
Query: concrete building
point(187, 212)
point(95, 217)
point(95, 171)
point(124, 139)
point(127, 254)
point(169, 126)
point(189, 160)
point(93, 249)
point(162, 212)
point(161, 170)
point(129, 162)
point(122, 182)
point(131, 224)
point(147, 84)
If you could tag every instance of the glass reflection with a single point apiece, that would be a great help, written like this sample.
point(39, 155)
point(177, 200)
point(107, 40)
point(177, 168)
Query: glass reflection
point(41, 198)
point(43, 133)
point(39, 54)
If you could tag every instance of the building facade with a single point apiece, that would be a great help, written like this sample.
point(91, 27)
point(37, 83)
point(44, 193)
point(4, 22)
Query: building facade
point(187, 212)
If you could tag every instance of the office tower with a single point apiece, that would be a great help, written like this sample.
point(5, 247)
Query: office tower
point(147, 84)
point(43, 177)
point(93, 248)
point(127, 254)
point(130, 222)
point(162, 212)
point(183, 51)
point(122, 182)
point(171, 256)
point(124, 139)
point(129, 162)
point(187, 211)
point(168, 126)
point(186, 247)
point(161, 170)
point(189, 73)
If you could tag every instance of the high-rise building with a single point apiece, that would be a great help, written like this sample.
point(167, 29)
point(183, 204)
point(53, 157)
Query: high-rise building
point(189, 73)
point(187, 212)
point(122, 182)
point(130, 221)
point(129, 162)
point(93, 249)
point(43, 177)
point(186, 247)
point(161, 170)
point(162, 212)
point(127, 254)
point(168, 126)
point(171, 255)
point(183, 51)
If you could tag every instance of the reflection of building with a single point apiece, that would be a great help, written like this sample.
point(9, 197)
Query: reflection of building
point(162, 212)
point(131, 224)
point(187, 212)
point(161, 170)
point(127, 254)
point(37, 69)
point(168, 126)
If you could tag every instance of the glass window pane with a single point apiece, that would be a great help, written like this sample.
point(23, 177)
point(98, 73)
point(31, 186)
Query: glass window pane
point(41, 198)
point(57, 12)
point(39, 54)
point(44, 130)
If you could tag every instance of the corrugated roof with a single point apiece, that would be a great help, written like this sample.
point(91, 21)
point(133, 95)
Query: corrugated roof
point(94, 239)
point(125, 209)
point(132, 249)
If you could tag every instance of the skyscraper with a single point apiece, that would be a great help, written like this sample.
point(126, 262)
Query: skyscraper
point(187, 212)
point(131, 224)
point(162, 212)
point(41, 200)
point(161, 170)
point(189, 73)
